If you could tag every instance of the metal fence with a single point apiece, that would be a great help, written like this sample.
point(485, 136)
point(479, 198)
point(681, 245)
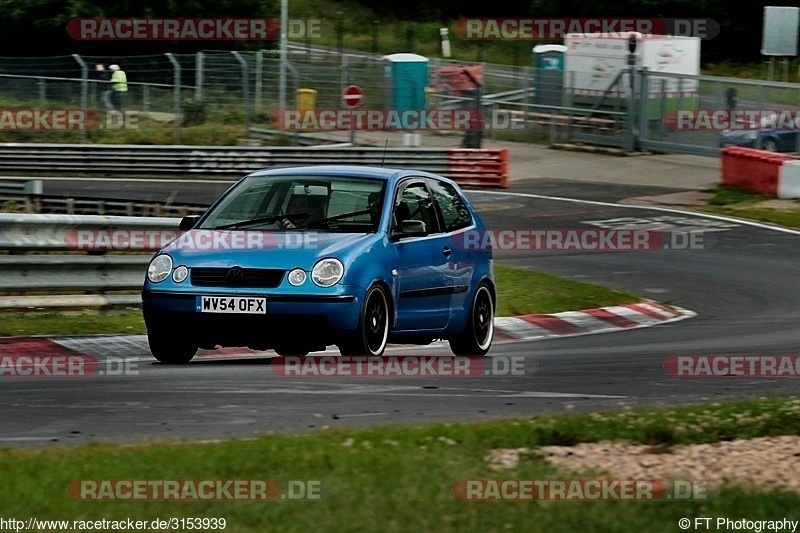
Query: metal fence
point(690, 114)
point(239, 88)
point(517, 103)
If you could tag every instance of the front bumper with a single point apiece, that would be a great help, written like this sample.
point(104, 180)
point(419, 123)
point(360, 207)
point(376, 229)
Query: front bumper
point(310, 319)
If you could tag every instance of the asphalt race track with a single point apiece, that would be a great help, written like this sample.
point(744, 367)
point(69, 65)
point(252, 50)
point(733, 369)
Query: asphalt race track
point(741, 281)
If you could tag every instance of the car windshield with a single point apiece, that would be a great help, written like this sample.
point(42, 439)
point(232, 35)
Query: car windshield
point(296, 203)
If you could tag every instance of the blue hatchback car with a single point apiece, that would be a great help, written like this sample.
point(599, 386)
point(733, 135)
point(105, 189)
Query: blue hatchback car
point(298, 259)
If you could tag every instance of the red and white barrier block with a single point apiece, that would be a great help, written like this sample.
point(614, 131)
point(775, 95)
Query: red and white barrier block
point(478, 167)
point(789, 179)
point(763, 172)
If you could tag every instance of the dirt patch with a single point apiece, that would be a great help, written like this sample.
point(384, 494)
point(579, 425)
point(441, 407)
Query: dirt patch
point(687, 198)
point(764, 462)
point(777, 205)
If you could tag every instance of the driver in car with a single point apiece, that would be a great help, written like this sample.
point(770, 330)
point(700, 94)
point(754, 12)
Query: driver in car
point(304, 211)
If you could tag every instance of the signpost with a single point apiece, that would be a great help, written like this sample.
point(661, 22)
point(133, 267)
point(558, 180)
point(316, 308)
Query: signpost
point(351, 97)
point(779, 37)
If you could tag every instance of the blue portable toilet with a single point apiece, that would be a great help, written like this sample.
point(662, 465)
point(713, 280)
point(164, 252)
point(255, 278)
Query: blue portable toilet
point(406, 77)
point(548, 74)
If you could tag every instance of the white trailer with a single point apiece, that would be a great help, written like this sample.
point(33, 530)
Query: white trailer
point(594, 68)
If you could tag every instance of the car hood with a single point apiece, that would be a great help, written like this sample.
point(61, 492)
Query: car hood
point(261, 249)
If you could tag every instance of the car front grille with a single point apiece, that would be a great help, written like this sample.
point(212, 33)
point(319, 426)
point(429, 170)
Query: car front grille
point(236, 277)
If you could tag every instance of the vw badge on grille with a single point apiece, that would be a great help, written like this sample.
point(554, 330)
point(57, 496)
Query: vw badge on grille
point(234, 275)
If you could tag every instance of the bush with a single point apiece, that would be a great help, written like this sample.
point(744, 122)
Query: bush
point(194, 112)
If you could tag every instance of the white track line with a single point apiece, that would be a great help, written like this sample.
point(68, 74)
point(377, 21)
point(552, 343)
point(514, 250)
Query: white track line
point(724, 218)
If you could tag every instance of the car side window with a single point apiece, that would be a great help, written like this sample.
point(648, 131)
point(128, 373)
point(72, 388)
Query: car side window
point(455, 213)
point(415, 203)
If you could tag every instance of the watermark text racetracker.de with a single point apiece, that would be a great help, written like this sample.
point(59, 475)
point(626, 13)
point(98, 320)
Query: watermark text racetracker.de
point(36, 119)
point(526, 29)
point(583, 239)
point(733, 366)
point(47, 119)
point(732, 119)
point(397, 120)
point(193, 240)
point(401, 366)
point(193, 29)
point(376, 119)
point(195, 489)
point(65, 365)
point(582, 489)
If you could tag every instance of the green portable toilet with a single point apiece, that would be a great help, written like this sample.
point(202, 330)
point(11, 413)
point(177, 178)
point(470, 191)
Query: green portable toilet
point(548, 74)
point(406, 78)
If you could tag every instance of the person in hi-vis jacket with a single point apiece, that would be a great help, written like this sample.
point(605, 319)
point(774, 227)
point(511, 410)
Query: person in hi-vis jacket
point(119, 87)
point(114, 98)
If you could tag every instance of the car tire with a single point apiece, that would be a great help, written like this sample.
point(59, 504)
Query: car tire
point(770, 145)
point(170, 348)
point(372, 333)
point(476, 339)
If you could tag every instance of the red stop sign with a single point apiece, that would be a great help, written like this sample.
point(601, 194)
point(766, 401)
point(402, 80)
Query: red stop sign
point(352, 95)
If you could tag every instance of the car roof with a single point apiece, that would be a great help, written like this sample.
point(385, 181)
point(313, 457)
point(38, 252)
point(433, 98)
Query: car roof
point(359, 171)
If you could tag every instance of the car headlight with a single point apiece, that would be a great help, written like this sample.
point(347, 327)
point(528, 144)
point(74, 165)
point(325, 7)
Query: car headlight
point(297, 277)
point(159, 268)
point(327, 272)
point(180, 274)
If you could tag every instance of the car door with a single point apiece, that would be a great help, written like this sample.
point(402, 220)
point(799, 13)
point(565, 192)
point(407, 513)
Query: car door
point(423, 301)
point(455, 218)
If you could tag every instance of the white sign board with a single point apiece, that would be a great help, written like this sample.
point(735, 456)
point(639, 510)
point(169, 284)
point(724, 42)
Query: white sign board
point(592, 63)
point(780, 31)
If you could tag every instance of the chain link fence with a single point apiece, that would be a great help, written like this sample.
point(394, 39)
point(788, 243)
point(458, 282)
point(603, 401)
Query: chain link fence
point(243, 89)
point(237, 88)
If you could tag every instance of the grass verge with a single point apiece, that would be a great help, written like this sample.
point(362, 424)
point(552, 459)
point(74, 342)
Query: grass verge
point(740, 203)
point(74, 322)
point(400, 478)
point(520, 292)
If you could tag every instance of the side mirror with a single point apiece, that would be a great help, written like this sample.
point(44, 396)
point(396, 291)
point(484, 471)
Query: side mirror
point(188, 222)
point(410, 228)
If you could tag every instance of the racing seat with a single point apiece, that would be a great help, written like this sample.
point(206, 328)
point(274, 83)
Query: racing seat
point(373, 206)
point(402, 212)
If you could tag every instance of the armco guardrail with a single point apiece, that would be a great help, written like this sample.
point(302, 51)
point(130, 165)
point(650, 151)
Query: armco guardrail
point(65, 275)
point(473, 167)
point(22, 273)
point(102, 206)
point(32, 232)
point(25, 192)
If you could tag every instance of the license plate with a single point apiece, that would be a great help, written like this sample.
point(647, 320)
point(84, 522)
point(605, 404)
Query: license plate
point(232, 304)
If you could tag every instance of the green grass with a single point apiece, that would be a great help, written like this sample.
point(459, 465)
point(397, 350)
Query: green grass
point(522, 292)
point(214, 132)
point(725, 196)
point(740, 203)
point(83, 322)
point(519, 292)
point(400, 477)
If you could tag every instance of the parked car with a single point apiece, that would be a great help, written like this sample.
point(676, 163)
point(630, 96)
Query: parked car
point(298, 259)
point(761, 137)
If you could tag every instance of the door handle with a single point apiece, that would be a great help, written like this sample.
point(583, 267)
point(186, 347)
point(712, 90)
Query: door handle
point(447, 251)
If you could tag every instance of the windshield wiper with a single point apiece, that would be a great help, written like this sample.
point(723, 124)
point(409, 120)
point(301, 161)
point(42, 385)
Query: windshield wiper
point(273, 218)
point(338, 217)
point(261, 220)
